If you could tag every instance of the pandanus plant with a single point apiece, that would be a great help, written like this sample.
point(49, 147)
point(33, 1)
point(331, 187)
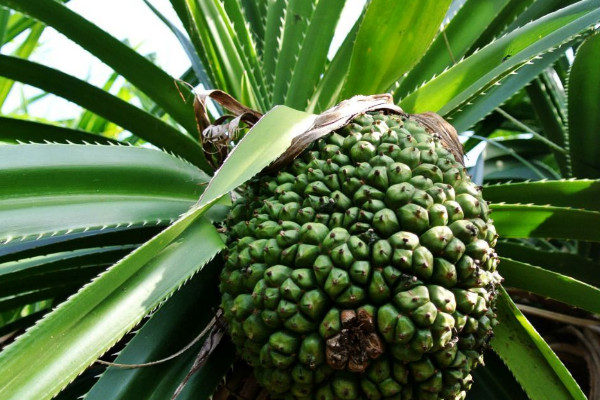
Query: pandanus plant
point(112, 242)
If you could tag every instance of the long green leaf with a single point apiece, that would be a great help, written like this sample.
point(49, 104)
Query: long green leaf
point(187, 46)
point(47, 270)
point(273, 36)
point(534, 10)
point(546, 283)
point(482, 105)
point(46, 169)
point(56, 189)
point(313, 54)
point(180, 7)
point(447, 48)
point(23, 51)
point(584, 119)
point(214, 30)
point(523, 221)
point(330, 86)
point(88, 121)
point(102, 103)
point(14, 251)
point(255, 13)
point(241, 31)
point(15, 130)
point(66, 215)
point(581, 193)
point(528, 356)
point(569, 264)
point(69, 339)
point(390, 41)
point(469, 78)
point(551, 121)
point(297, 16)
point(505, 21)
point(170, 329)
point(134, 67)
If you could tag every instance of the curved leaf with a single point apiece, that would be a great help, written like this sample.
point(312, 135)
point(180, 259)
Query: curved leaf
point(390, 41)
point(46, 169)
point(23, 51)
point(55, 189)
point(132, 66)
point(482, 105)
point(70, 338)
point(187, 46)
point(65, 215)
point(522, 221)
point(459, 34)
point(470, 77)
point(569, 264)
point(18, 250)
point(169, 329)
point(584, 119)
point(43, 271)
point(581, 193)
point(528, 356)
point(550, 284)
point(120, 112)
point(20, 130)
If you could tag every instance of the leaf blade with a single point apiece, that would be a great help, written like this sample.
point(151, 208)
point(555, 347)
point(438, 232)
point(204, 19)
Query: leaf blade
point(170, 329)
point(516, 340)
point(570, 264)
point(564, 193)
point(584, 96)
point(59, 189)
point(134, 67)
point(104, 104)
point(522, 221)
point(457, 86)
point(98, 315)
point(550, 284)
point(390, 41)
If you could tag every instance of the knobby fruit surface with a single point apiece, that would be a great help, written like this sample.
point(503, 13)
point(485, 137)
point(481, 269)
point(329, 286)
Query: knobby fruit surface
point(363, 270)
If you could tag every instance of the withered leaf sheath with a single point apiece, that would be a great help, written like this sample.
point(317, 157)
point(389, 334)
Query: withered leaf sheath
point(365, 269)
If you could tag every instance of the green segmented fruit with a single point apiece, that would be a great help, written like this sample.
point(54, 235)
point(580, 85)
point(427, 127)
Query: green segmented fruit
point(364, 269)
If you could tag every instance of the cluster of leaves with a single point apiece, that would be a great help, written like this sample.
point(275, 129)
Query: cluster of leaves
point(104, 233)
